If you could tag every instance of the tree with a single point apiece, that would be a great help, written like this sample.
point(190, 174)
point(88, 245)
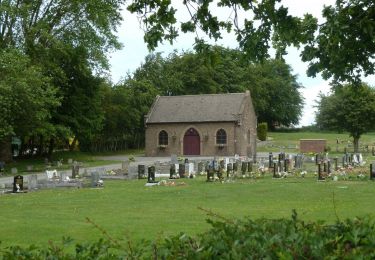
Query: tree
point(342, 48)
point(349, 108)
point(26, 99)
point(67, 41)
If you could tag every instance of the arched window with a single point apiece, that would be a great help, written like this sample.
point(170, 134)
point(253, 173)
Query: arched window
point(163, 138)
point(221, 137)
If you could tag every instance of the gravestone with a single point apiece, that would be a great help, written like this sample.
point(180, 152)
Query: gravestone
point(250, 166)
point(95, 177)
point(200, 167)
point(75, 171)
point(32, 182)
point(70, 161)
point(270, 160)
point(320, 175)
point(335, 161)
point(229, 169)
point(243, 168)
point(151, 174)
point(372, 171)
point(2, 166)
point(181, 170)
point(64, 176)
point(235, 167)
point(141, 171)
point(14, 170)
point(275, 170)
point(172, 171)
point(286, 165)
point(29, 168)
point(18, 183)
point(210, 173)
point(125, 166)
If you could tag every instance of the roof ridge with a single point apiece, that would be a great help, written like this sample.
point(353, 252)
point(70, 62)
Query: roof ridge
point(222, 94)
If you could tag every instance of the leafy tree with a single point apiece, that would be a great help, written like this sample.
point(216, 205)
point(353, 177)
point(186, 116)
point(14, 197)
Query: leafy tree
point(26, 99)
point(275, 93)
point(68, 40)
point(349, 108)
point(344, 48)
point(341, 48)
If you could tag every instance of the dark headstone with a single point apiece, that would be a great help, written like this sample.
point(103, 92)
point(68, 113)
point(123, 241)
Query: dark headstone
point(243, 168)
point(372, 171)
point(229, 169)
point(141, 171)
point(320, 175)
point(235, 166)
point(210, 173)
point(181, 170)
point(172, 171)
point(18, 183)
point(270, 160)
point(151, 174)
point(249, 166)
point(75, 171)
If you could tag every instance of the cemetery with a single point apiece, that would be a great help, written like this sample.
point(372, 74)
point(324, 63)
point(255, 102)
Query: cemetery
point(271, 185)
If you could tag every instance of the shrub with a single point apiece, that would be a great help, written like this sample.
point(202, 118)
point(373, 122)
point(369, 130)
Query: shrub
point(262, 131)
point(231, 239)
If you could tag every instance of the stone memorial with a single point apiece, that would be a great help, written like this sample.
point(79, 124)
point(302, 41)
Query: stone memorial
point(70, 161)
point(235, 167)
point(29, 168)
point(181, 170)
point(210, 173)
point(336, 163)
point(372, 171)
point(320, 174)
point(275, 171)
point(172, 171)
point(95, 177)
point(243, 168)
point(151, 174)
point(18, 184)
point(200, 167)
point(75, 171)
point(249, 166)
point(125, 166)
point(141, 171)
point(32, 182)
point(270, 160)
point(229, 169)
point(14, 170)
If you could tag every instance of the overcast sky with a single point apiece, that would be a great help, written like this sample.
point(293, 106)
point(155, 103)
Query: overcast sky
point(135, 50)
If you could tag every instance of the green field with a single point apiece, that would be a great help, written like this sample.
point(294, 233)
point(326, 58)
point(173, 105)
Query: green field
point(289, 142)
point(128, 209)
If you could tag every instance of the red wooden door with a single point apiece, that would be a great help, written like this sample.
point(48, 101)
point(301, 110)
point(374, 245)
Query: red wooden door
point(192, 142)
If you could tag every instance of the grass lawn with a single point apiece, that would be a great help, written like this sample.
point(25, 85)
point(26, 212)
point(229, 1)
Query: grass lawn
point(129, 209)
point(288, 142)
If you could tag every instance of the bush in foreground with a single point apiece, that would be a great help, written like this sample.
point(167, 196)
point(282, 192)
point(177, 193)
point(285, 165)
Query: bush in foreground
point(231, 239)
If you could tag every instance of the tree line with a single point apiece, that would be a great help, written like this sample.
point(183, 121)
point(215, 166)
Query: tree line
point(54, 89)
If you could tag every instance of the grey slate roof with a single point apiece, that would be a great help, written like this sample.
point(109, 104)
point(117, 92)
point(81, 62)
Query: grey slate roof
point(196, 108)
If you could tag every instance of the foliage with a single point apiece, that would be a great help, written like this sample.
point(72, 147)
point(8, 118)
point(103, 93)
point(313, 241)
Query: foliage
point(65, 44)
point(341, 47)
point(349, 108)
point(231, 239)
point(262, 131)
point(344, 48)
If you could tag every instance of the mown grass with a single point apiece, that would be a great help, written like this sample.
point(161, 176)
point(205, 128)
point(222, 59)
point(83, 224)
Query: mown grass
point(289, 142)
point(129, 209)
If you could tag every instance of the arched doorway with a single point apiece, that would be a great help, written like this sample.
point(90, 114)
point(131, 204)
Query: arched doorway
point(192, 142)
